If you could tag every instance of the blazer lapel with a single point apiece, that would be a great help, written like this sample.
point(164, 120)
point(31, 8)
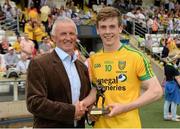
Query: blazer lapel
point(61, 72)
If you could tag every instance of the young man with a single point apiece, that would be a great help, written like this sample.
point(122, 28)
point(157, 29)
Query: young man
point(56, 82)
point(122, 71)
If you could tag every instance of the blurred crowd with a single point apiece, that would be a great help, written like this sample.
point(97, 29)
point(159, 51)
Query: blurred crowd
point(163, 17)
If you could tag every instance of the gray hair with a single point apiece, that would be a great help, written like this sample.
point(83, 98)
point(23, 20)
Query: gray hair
point(62, 19)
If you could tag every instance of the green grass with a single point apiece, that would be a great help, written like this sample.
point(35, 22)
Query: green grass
point(152, 116)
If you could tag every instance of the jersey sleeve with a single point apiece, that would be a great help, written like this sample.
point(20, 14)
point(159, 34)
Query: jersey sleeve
point(143, 68)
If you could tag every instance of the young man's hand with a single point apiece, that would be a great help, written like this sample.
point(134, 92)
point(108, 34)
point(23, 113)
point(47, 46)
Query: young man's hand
point(116, 109)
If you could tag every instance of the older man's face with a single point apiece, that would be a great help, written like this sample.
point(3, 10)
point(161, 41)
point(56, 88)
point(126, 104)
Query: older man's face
point(66, 36)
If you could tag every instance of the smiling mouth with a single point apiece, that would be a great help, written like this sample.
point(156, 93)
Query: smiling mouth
point(108, 38)
point(68, 43)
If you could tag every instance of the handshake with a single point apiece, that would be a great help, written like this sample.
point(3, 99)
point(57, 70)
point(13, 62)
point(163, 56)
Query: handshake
point(80, 110)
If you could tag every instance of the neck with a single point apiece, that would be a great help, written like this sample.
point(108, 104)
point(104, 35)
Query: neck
point(71, 53)
point(112, 48)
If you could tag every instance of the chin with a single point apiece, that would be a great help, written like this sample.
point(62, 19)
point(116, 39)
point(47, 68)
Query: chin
point(108, 43)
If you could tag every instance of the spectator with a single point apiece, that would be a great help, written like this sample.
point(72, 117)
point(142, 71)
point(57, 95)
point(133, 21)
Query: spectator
point(177, 26)
point(165, 51)
point(22, 64)
point(149, 24)
point(4, 45)
point(130, 18)
point(171, 44)
point(172, 92)
point(149, 43)
point(139, 14)
point(170, 26)
point(33, 14)
point(45, 11)
point(10, 58)
point(124, 22)
point(171, 6)
point(38, 33)
point(155, 25)
point(48, 25)
point(27, 46)
point(28, 28)
point(166, 4)
point(16, 45)
point(45, 46)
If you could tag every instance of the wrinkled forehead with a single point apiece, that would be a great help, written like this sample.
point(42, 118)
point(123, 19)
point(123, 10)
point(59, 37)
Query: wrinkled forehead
point(67, 25)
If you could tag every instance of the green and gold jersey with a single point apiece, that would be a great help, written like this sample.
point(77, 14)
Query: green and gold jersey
point(120, 72)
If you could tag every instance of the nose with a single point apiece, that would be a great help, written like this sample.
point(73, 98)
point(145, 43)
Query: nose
point(67, 36)
point(108, 30)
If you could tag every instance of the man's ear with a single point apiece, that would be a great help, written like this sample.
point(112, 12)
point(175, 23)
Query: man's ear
point(53, 38)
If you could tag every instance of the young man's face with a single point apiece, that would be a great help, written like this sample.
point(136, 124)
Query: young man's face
point(109, 31)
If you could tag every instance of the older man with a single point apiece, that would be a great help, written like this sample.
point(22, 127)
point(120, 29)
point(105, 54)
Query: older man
point(56, 82)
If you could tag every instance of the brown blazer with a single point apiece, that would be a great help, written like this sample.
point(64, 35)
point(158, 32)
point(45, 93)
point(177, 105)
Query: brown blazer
point(48, 92)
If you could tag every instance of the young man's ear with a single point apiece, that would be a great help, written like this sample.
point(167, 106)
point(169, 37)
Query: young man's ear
point(120, 28)
point(97, 30)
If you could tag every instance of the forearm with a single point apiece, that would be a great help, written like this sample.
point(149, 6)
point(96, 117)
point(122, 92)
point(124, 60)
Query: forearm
point(144, 99)
point(153, 93)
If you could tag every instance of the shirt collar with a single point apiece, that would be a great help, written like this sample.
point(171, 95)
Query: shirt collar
point(63, 55)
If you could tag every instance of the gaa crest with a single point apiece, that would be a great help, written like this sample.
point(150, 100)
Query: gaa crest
point(121, 65)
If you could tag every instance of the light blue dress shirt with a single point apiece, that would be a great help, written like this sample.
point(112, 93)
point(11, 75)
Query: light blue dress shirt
point(68, 62)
